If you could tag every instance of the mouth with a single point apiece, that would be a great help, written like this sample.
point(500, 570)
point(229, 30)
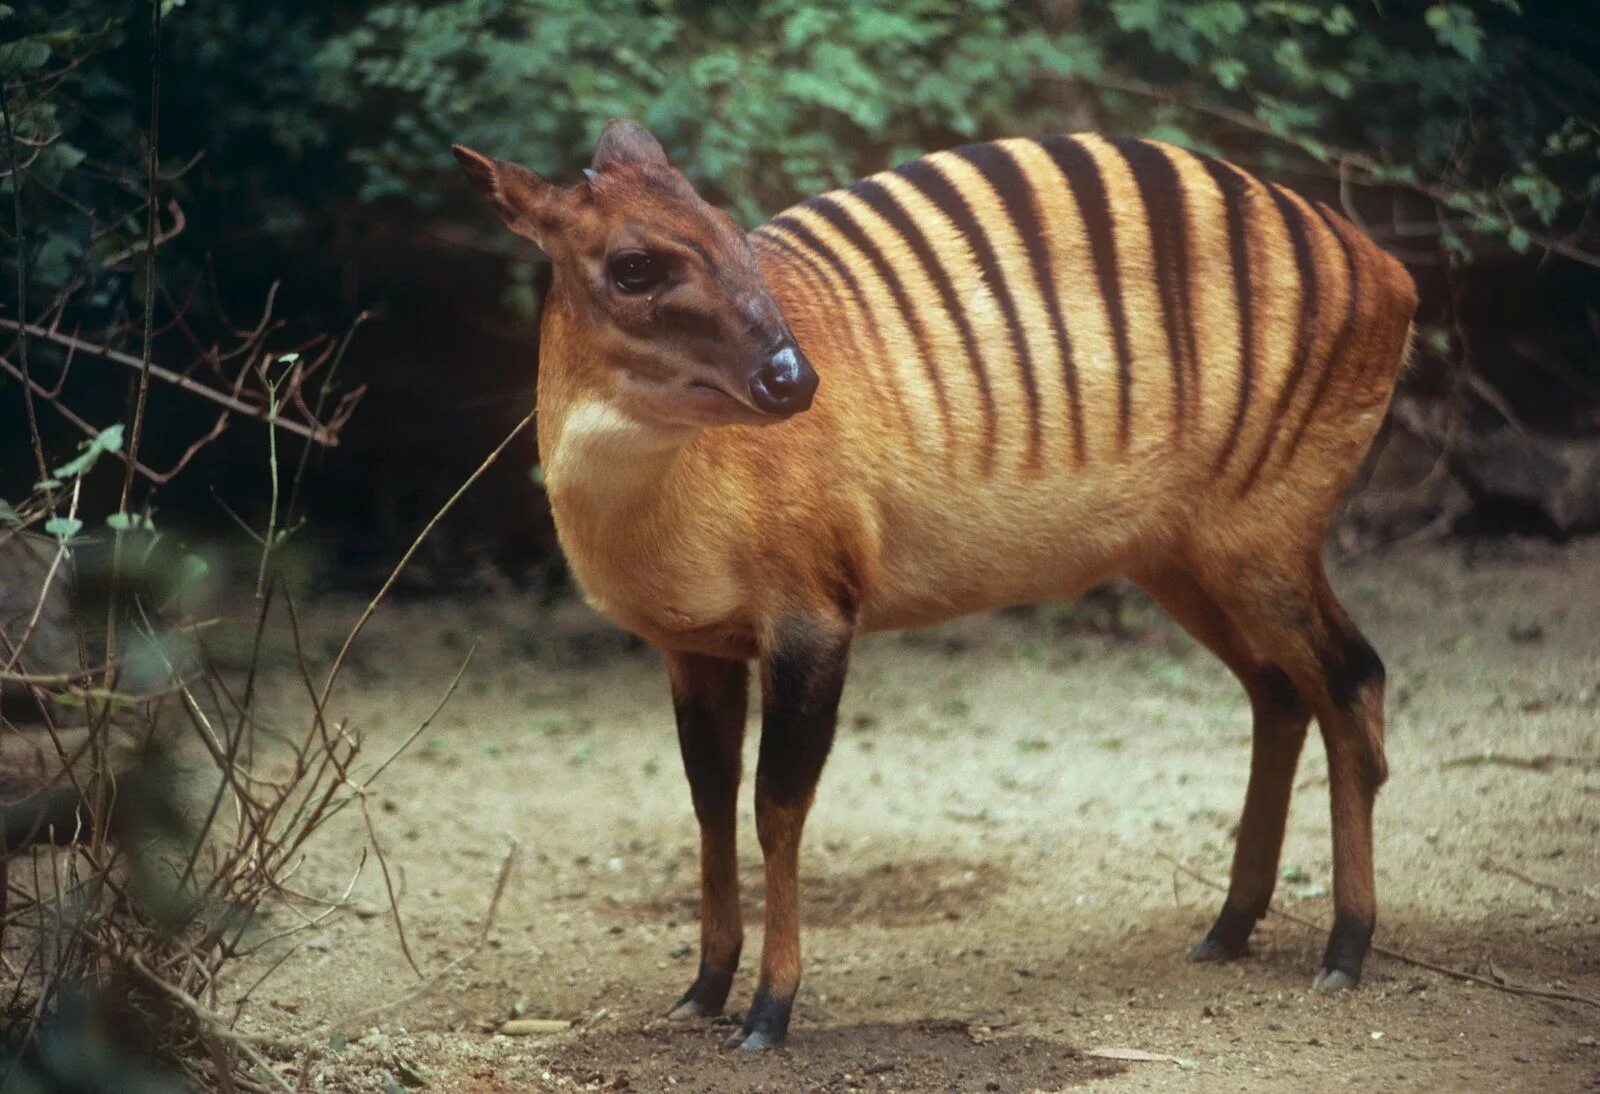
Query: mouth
point(714, 397)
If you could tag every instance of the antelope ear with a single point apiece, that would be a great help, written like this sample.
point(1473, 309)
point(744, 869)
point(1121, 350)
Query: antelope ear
point(627, 142)
point(528, 204)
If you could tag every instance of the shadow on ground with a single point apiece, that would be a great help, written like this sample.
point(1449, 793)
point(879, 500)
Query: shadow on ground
point(917, 1056)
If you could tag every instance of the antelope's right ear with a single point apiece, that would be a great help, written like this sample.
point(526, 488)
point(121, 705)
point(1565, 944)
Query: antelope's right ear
point(528, 204)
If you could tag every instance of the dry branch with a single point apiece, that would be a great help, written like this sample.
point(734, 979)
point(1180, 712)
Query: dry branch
point(438, 978)
point(1406, 959)
point(317, 432)
point(39, 770)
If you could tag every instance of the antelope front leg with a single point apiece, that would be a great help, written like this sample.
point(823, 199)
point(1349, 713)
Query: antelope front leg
point(801, 680)
point(708, 697)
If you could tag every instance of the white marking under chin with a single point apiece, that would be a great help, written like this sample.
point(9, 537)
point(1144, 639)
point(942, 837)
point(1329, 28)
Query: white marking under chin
point(600, 445)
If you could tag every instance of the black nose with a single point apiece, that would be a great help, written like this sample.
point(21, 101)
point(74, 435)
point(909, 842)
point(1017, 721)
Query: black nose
point(785, 384)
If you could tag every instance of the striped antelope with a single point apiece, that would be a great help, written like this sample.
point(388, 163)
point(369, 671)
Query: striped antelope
point(1025, 367)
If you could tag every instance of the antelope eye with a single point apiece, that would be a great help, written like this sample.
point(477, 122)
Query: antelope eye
point(636, 271)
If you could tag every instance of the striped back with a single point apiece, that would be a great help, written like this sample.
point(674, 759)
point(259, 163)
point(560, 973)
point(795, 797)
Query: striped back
point(1029, 305)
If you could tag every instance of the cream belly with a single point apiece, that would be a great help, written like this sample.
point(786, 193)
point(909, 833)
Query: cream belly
point(945, 553)
point(663, 596)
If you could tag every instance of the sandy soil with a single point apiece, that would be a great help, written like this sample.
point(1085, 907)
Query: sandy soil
point(988, 893)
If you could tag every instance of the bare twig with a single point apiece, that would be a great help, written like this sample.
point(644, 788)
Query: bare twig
point(42, 600)
point(432, 982)
point(1406, 959)
point(315, 432)
point(1490, 866)
point(405, 559)
point(1542, 762)
point(179, 222)
point(210, 1021)
point(388, 885)
point(20, 228)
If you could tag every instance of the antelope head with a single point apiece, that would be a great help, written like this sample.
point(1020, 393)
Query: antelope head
point(657, 305)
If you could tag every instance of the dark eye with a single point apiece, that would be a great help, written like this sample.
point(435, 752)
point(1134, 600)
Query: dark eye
point(636, 271)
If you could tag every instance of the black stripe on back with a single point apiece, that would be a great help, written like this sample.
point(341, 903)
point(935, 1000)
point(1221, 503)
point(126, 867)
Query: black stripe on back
point(1010, 182)
point(1166, 212)
point(1306, 269)
point(842, 222)
point(1341, 339)
point(1234, 194)
point(887, 207)
point(948, 199)
point(1082, 175)
point(802, 241)
point(817, 276)
point(808, 266)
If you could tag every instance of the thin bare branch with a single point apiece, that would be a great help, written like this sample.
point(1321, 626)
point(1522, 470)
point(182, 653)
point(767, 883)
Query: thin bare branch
point(1403, 958)
point(405, 559)
point(313, 432)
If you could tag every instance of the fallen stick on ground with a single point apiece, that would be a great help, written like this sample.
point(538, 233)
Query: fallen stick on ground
point(1490, 866)
point(437, 978)
point(1444, 970)
point(1528, 763)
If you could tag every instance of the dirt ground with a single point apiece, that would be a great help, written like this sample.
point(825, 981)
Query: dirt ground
point(989, 891)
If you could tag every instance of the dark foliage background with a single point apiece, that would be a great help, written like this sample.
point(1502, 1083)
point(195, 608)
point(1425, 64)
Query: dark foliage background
point(307, 144)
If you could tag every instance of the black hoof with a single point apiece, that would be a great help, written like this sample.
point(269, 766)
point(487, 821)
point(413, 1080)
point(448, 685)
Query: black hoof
point(765, 1026)
point(1228, 939)
point(1331, 981)
point(690, 1007)
point(705, 996)
point(1348, 943)
point(1208, 951)
point(752, 1042)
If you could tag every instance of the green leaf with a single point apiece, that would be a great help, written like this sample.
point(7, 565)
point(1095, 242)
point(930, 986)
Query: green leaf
point(63, 528)
point(1519, 239)
point(1456, 26)
point(193, 568)
point(108, 439)
point(23, 55)
point(8, 514)
point(1339, 21)
point(78, 466)
point(1453, 243)
point(1229, 72)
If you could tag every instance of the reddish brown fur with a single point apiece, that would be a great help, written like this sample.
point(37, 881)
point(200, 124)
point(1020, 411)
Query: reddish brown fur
point(909, 492)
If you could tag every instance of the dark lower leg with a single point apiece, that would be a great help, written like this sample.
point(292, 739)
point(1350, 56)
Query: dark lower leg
point(721, 932)
point(1353, 780)
point(1355, 903)
point(767, 1022)
point(709, 700)
point(1280, 719)
point(1352, 732)
point(804, 677)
